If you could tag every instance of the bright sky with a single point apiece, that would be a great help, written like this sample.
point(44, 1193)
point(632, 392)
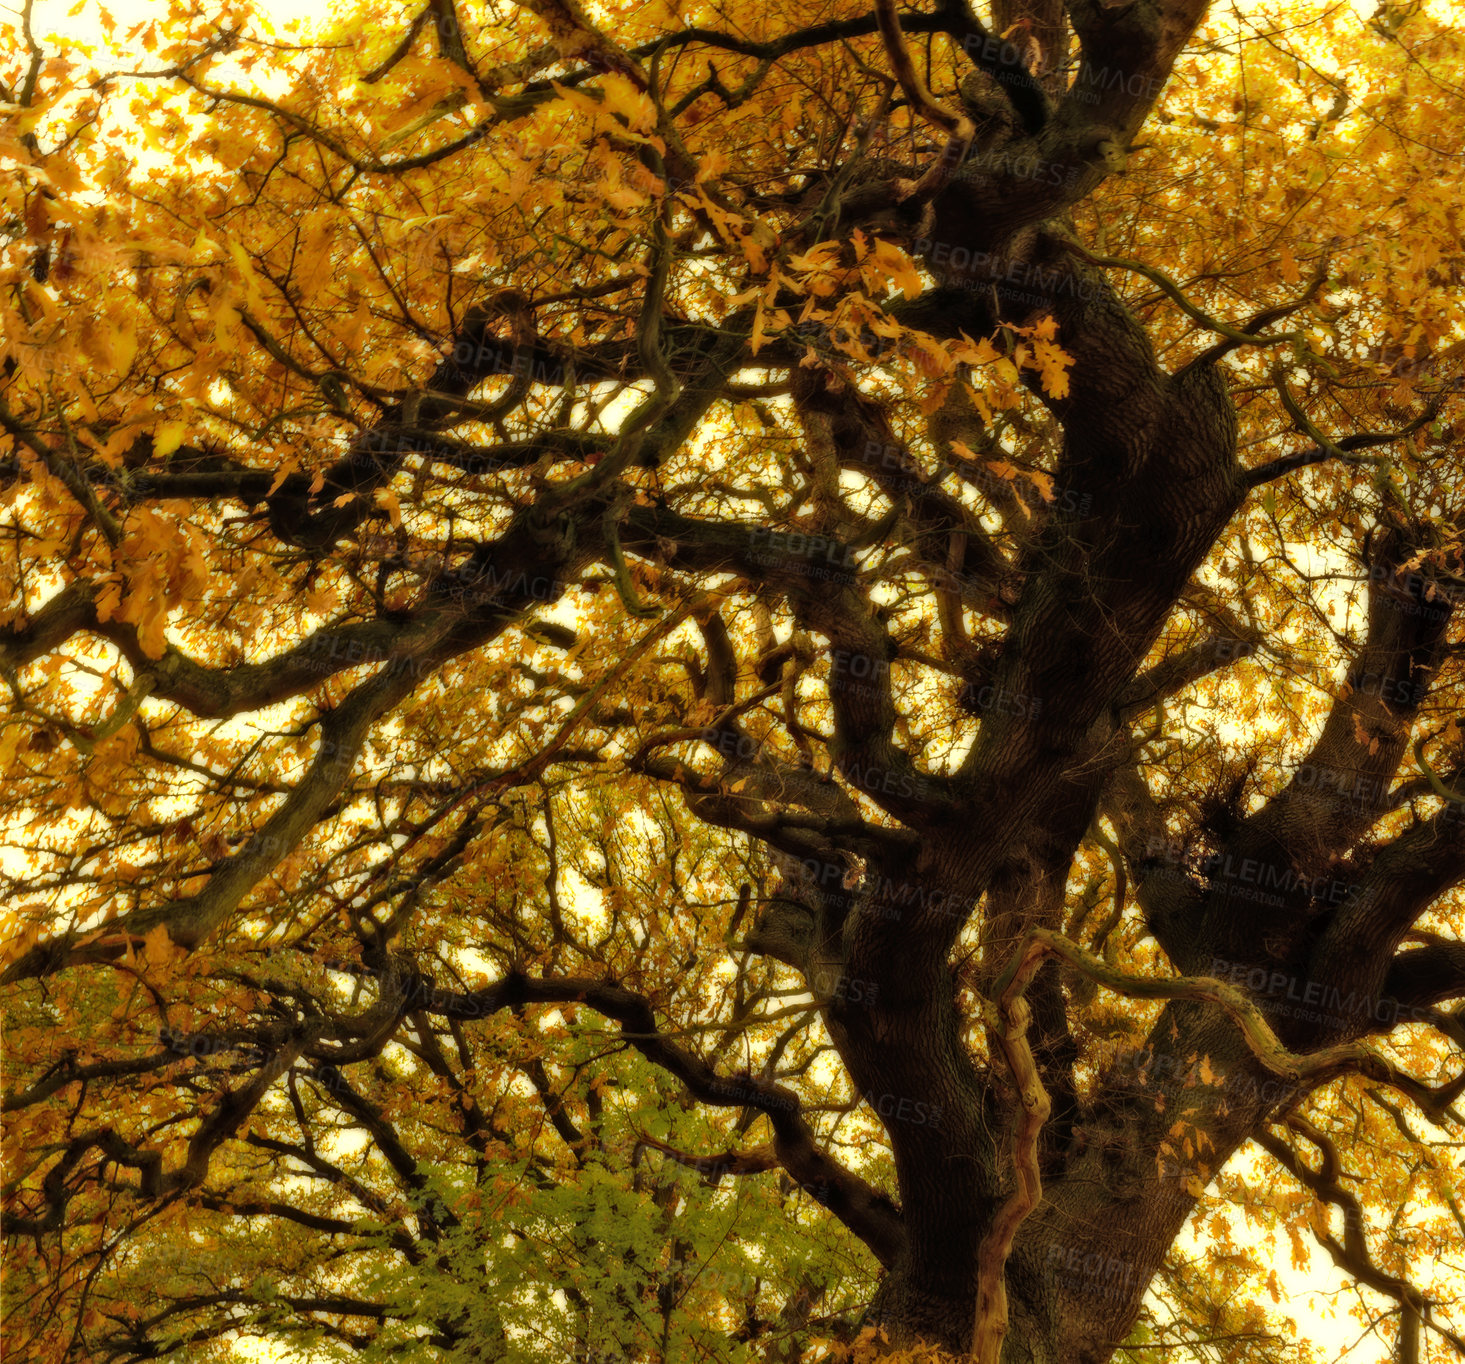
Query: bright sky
point(1318, 1298)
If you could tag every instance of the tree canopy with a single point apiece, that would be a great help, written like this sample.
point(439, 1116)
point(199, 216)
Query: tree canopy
point(717, 681)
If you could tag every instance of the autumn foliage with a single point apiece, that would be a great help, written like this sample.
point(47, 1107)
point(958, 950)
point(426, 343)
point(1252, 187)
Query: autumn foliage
point(731, 681)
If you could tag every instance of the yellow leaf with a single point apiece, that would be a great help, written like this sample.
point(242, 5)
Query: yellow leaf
point(168, 437)
point(633, 105)
point(1043, 483)
point(897, 267)
point(977, 353)
point(819, 257)
point(759, 335)
point(577, 99)
point(159, 945)
point(252, 295)
point(124, 346)
point(109, 598)
point(1052, 364)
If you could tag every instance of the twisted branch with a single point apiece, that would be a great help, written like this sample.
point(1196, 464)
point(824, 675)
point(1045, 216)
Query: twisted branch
point(1352, 1256)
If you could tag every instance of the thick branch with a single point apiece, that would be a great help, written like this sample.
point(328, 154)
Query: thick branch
point(1352, 1256)
point(1311, 1068)
point(866, 1211)
point(1008, 1024)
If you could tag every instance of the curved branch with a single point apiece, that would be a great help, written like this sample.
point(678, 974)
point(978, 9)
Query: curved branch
point(1425, 976)
point(67, 1073)
point(1311, 1068)
point(154, 1182)
point(1174, 293)
point(959, 128)
point(866, 1211)
point(758, 1161)
point(1352, 1256)
point(1008, 1023)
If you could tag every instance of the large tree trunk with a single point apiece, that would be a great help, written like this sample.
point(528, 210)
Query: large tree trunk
point(1151, 458)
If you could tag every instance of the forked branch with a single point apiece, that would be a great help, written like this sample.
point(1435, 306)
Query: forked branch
point(959, 128)
point(1006, 1017)
point(1352, 1255)
point(1309, 1068)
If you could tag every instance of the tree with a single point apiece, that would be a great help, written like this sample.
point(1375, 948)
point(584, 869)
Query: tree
point(716, 681)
